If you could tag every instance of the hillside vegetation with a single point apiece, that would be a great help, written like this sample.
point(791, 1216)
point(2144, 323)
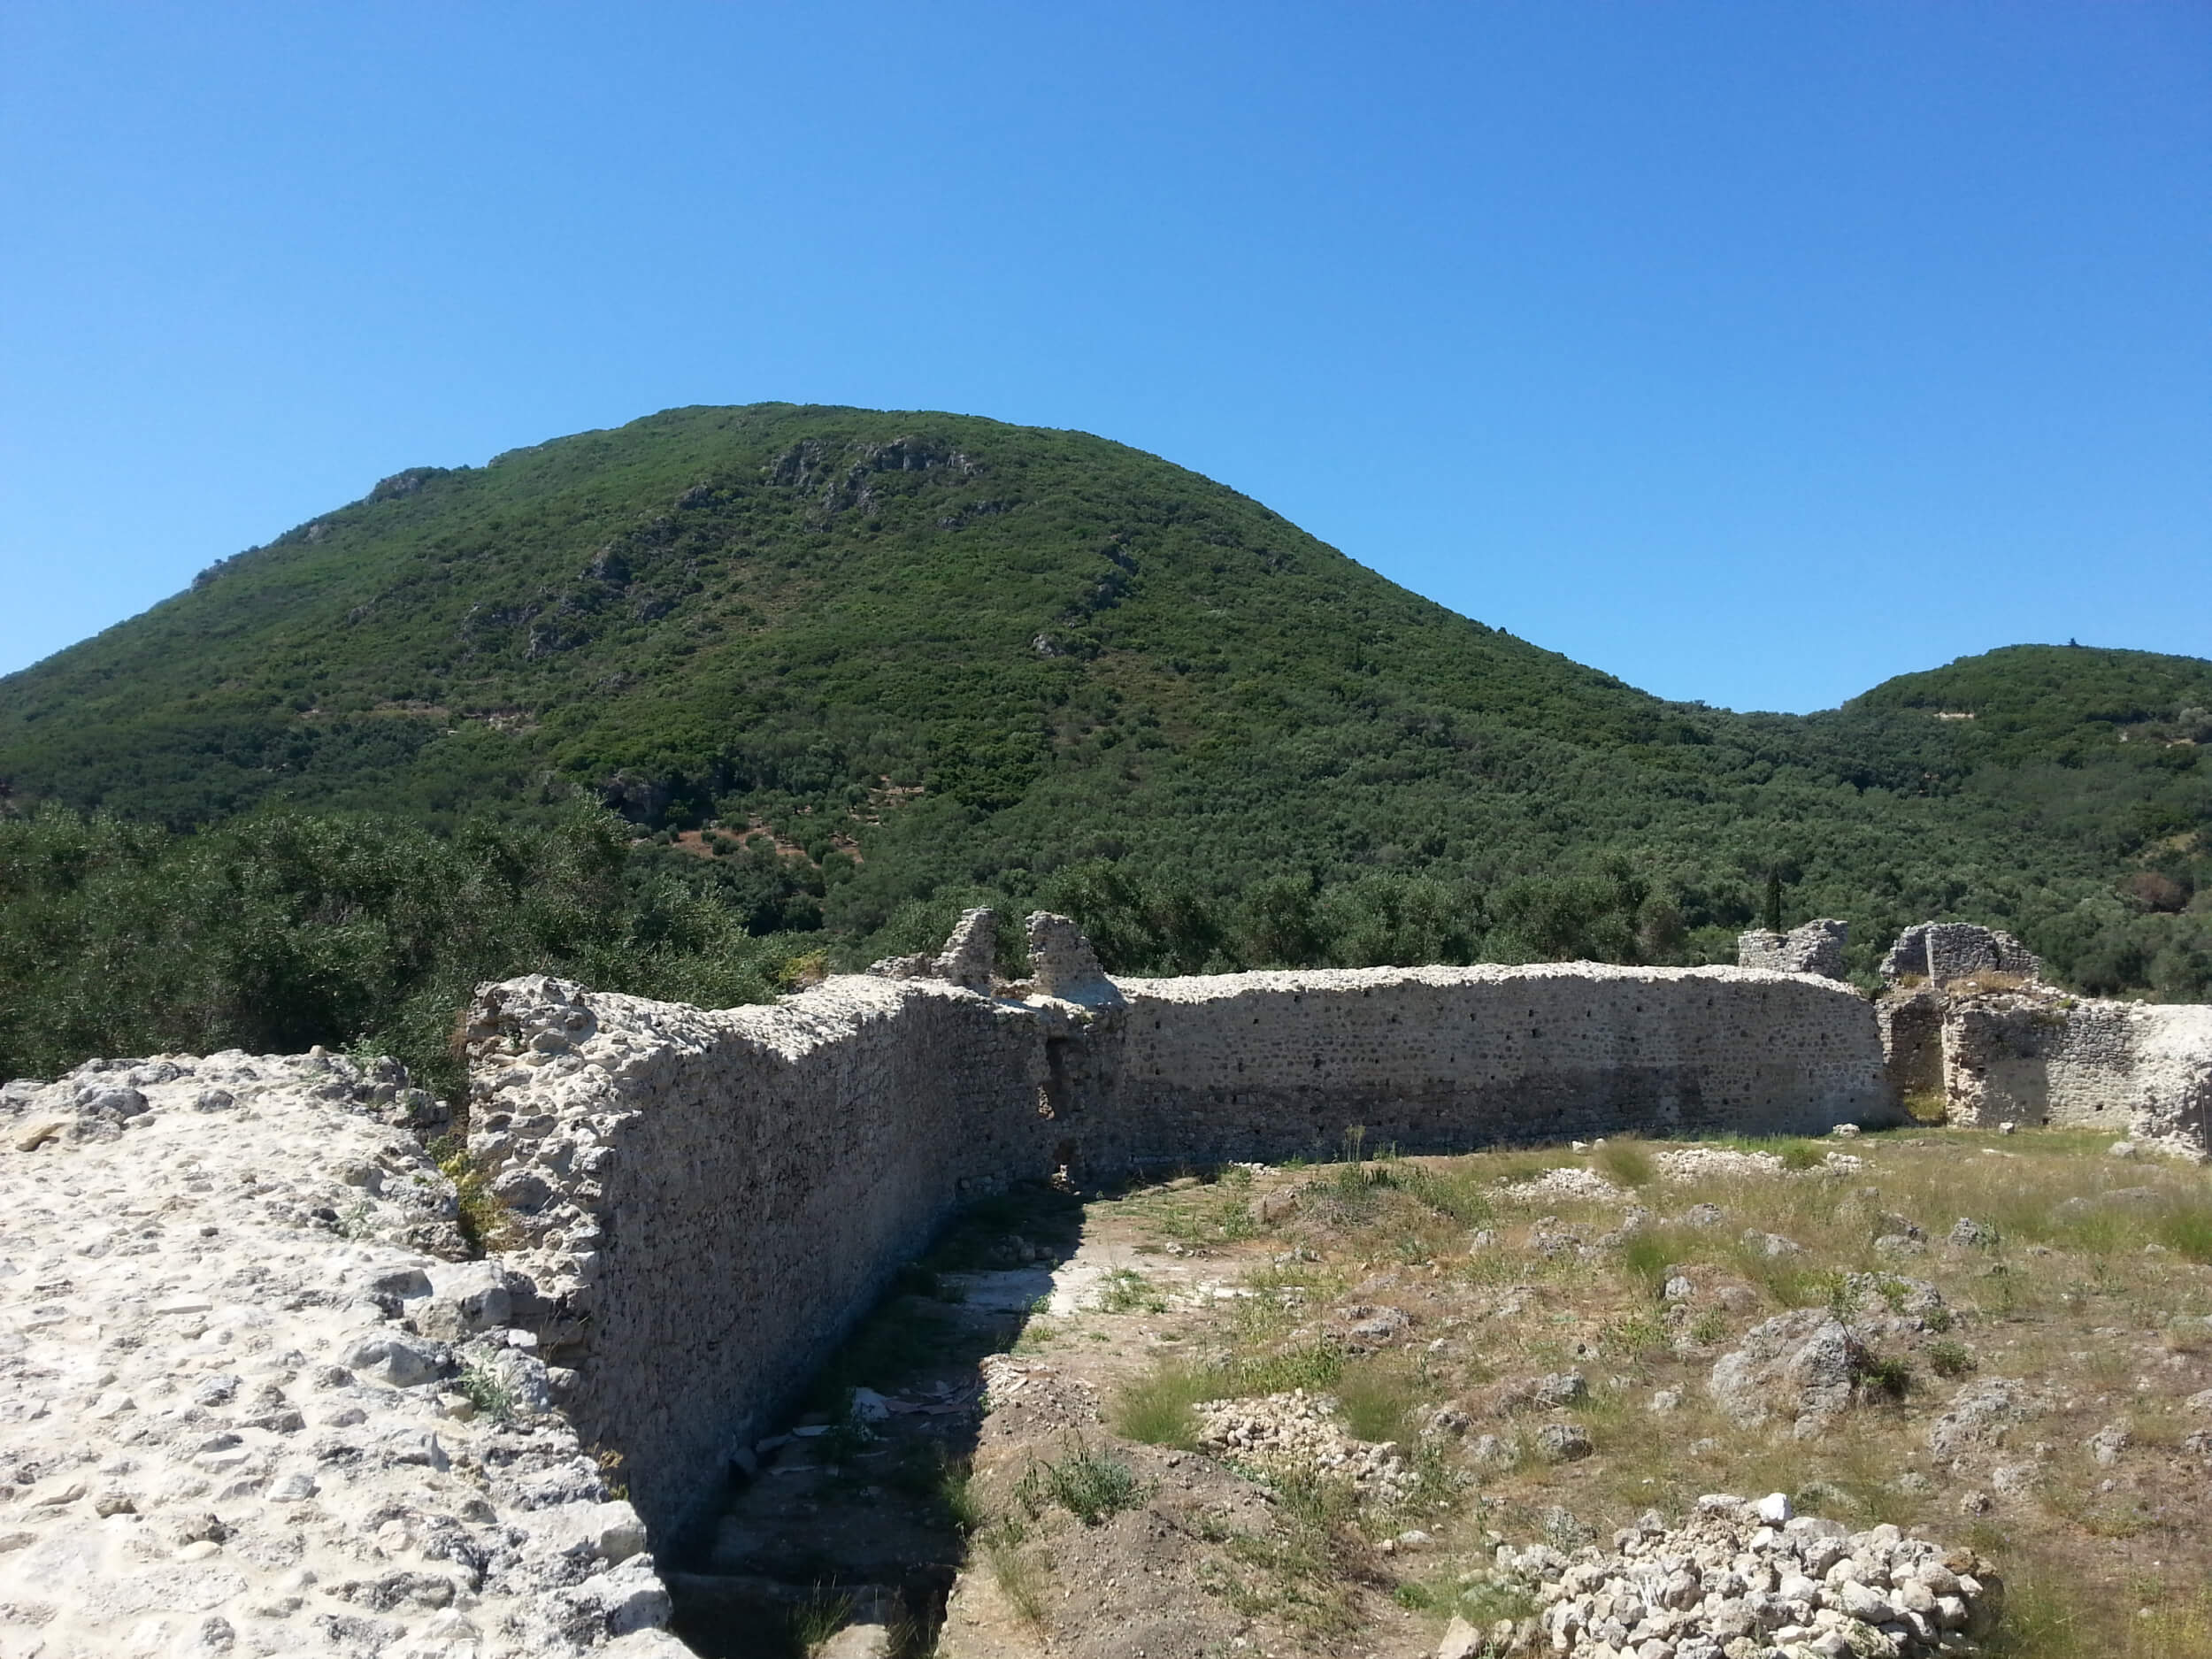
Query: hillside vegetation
point(831, 673)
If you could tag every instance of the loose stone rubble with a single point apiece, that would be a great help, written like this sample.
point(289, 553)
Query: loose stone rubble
point(1746, 1581)
point(1298, 1433)
point(1681, 1163)
point(252, 1400)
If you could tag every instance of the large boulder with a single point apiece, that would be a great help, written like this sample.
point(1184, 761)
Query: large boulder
point(1800, 1366)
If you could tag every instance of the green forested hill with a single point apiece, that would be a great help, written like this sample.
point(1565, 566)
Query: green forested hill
point(932, 658)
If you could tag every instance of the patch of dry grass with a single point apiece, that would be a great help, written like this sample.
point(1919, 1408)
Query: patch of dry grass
point(2094, 1292)
point(1020, 1576)
point(1625, 1160)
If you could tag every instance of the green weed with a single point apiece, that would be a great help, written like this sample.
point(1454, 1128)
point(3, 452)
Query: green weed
point(1646, 1253)
point(1125, 1290)
point(1625, 1160)
point(1378, 1398)
point(825, 1611)
point(1947, 1358)
point(2185, 1229)
point(1019, 1577)
point(1885, 1378)
point(1090, 1485)
point(956, 1494)
point(484, 1223)
point(1455, 1192)
point(1157, 1407)
point(488, 1391)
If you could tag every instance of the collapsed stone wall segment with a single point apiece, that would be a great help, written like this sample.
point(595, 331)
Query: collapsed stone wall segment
point(1815, 946)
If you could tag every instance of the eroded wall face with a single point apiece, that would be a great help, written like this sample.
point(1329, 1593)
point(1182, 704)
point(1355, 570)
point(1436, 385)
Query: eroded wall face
point(2142, 1072)
point(709, 1200)
point(1911, 1027)
point(1265, 1066)
point(726, 1194)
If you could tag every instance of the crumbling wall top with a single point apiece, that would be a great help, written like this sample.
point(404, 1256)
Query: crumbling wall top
point(1062, 963)
point(966, 960)
point(1815, 946)
point(1942, 951)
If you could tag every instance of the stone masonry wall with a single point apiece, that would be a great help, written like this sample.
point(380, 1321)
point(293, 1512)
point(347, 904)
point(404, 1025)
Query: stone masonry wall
point(255, 1401)
point(709, 1200)
point(1911, 1024)
point(2143, 1070)
point(1943, 951)
point(1265, 1065)
point(1815, 946)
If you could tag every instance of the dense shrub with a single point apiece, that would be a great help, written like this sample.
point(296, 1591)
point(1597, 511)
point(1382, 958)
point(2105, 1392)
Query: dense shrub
point(283, 930)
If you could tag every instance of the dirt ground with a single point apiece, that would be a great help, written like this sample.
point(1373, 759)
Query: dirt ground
point(1025, 1451)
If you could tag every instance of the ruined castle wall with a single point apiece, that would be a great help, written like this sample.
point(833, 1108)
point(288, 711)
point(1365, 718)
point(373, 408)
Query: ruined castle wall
point(708, 1202)
point(2142, 1070)
point(1266, 1065)
point(235, 1331)
point(711, 1201)
point(1815, 946)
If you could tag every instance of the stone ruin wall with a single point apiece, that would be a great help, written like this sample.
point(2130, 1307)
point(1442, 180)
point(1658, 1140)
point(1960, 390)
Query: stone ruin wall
point(2142, 1070)
point(1815, 946)
point(236, 1338)
point(236, 1341)
point(1911, 1024)
point(1266, 1065)
point(711, 1200)
point(714, 1199)
point(240, 1409)
point(1940, 952)
point(1969, 1020)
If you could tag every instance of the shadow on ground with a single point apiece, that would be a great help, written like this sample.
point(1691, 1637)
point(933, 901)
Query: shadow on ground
point(853, 1518)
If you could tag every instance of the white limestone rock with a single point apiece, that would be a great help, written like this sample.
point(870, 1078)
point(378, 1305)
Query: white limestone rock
point(221, 1439)
point(1800, 1364)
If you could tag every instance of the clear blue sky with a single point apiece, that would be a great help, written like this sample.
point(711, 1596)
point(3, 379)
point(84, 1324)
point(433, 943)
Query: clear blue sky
point(1753, 352)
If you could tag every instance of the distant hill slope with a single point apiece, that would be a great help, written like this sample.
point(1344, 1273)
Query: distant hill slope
point(939, 655)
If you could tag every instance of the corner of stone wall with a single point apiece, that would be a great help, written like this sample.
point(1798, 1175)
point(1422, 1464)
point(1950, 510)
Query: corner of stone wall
point(2036, 1054)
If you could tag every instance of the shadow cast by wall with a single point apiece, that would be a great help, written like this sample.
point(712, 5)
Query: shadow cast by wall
point(852, 1512)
